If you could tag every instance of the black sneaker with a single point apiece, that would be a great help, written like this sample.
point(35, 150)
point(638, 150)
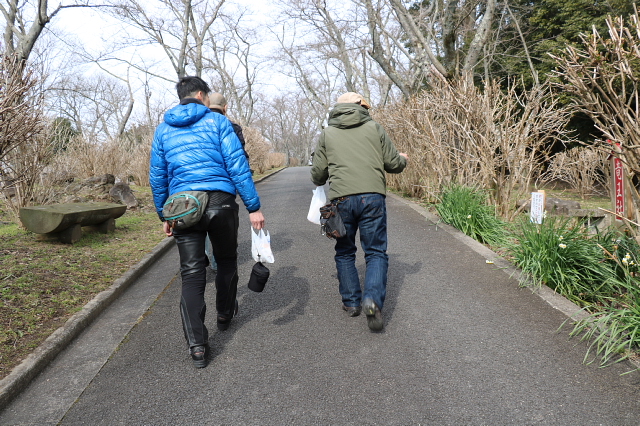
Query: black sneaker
point(199, 355)
point(374, 315)
point(224, 321)
point(352, 311)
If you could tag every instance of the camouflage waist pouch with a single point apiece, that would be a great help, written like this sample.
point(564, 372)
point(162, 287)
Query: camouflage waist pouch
point(184, 209)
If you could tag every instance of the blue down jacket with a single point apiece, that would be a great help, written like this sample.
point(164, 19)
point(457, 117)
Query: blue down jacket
point(197, 150)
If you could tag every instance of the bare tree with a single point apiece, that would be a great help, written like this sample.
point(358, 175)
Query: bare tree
point(122, 117)
point(200, 39)
point(291, 126)
point(233, 65)
point(337, 37)
point(98, 106)
point(602, 76)
point(384, 46)
point(181, 37)
point(24, 146)
point(310, 76)
point(408, 43)
point(24, 23)
point(323, 46)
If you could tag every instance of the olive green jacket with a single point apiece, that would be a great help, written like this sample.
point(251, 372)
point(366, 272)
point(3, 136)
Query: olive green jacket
point(353, 153)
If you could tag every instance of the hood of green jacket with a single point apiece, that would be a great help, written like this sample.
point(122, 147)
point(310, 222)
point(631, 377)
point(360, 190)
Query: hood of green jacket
point(346, 116)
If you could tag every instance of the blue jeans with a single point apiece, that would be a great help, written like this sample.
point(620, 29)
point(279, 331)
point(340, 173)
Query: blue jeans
point(368, 213)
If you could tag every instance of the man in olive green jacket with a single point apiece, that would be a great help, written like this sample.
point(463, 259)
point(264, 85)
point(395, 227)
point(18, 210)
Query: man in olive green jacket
point(353, 153)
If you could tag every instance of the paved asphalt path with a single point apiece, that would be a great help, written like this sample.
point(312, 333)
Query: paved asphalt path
point(463, 344)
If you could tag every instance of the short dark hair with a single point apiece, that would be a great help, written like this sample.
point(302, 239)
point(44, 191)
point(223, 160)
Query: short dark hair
point(190, 85)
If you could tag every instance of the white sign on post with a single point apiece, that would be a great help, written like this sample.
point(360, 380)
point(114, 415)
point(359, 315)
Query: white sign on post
point(537, 207)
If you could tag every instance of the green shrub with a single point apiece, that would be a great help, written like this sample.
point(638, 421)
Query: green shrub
point(621, 252)
point(614, 327)
point(561, 254)
point(614, 333)
point(466, 209)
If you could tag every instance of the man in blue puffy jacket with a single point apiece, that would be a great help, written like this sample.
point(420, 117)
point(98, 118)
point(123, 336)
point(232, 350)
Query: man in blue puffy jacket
point(198, 150)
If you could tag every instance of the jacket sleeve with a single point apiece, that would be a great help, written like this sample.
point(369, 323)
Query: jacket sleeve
point(158, 172)
point(320, 165)
point(238, 129)
point(237, 165)
point(393, 161)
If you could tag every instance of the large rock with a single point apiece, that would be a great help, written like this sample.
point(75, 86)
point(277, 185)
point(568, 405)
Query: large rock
point(552, 205)
point(121, 192)
point(59, 177)
point(105, 179)
point(105, 188)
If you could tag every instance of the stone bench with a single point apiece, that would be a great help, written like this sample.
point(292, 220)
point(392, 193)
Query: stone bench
point(64, 222)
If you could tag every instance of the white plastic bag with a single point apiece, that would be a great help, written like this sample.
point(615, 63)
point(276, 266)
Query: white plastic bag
point(261, 246)
point(318, 200)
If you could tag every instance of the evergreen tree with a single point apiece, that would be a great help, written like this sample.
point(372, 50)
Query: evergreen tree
point(62, 133)
point(548, 26)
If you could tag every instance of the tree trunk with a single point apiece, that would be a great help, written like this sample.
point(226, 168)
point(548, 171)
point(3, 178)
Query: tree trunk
point(479, 40)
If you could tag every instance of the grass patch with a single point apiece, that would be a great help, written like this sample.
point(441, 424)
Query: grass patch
point(613, 334)
point(561, 254)
point(598, 272)
point(43, 283)
point(593, 202)
point(9, 230)
point(466, 209)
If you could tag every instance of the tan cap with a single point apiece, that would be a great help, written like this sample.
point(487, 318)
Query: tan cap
point(353, 98)
point(217, 100)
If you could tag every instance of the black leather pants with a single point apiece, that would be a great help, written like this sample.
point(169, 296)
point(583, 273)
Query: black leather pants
point(220, 221)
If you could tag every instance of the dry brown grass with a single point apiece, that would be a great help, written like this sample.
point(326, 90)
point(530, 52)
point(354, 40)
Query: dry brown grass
point(83, 159)
point(259, 149)
point(457, 133)
point(293, 162)
point(584, 168)
point(278, 159)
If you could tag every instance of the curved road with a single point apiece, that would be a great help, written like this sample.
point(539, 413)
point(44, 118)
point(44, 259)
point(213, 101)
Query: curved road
point(463, 344)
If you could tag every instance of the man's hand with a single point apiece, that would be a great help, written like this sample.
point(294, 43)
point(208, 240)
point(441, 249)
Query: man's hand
point(257, 220)
point(167, 229)
point(406, 157)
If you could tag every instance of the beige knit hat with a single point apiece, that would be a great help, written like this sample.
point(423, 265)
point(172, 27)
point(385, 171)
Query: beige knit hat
point(353, 98)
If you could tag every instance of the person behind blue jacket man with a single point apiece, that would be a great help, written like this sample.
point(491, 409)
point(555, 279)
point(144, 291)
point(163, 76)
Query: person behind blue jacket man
point(195, 149)
point(218, 104)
